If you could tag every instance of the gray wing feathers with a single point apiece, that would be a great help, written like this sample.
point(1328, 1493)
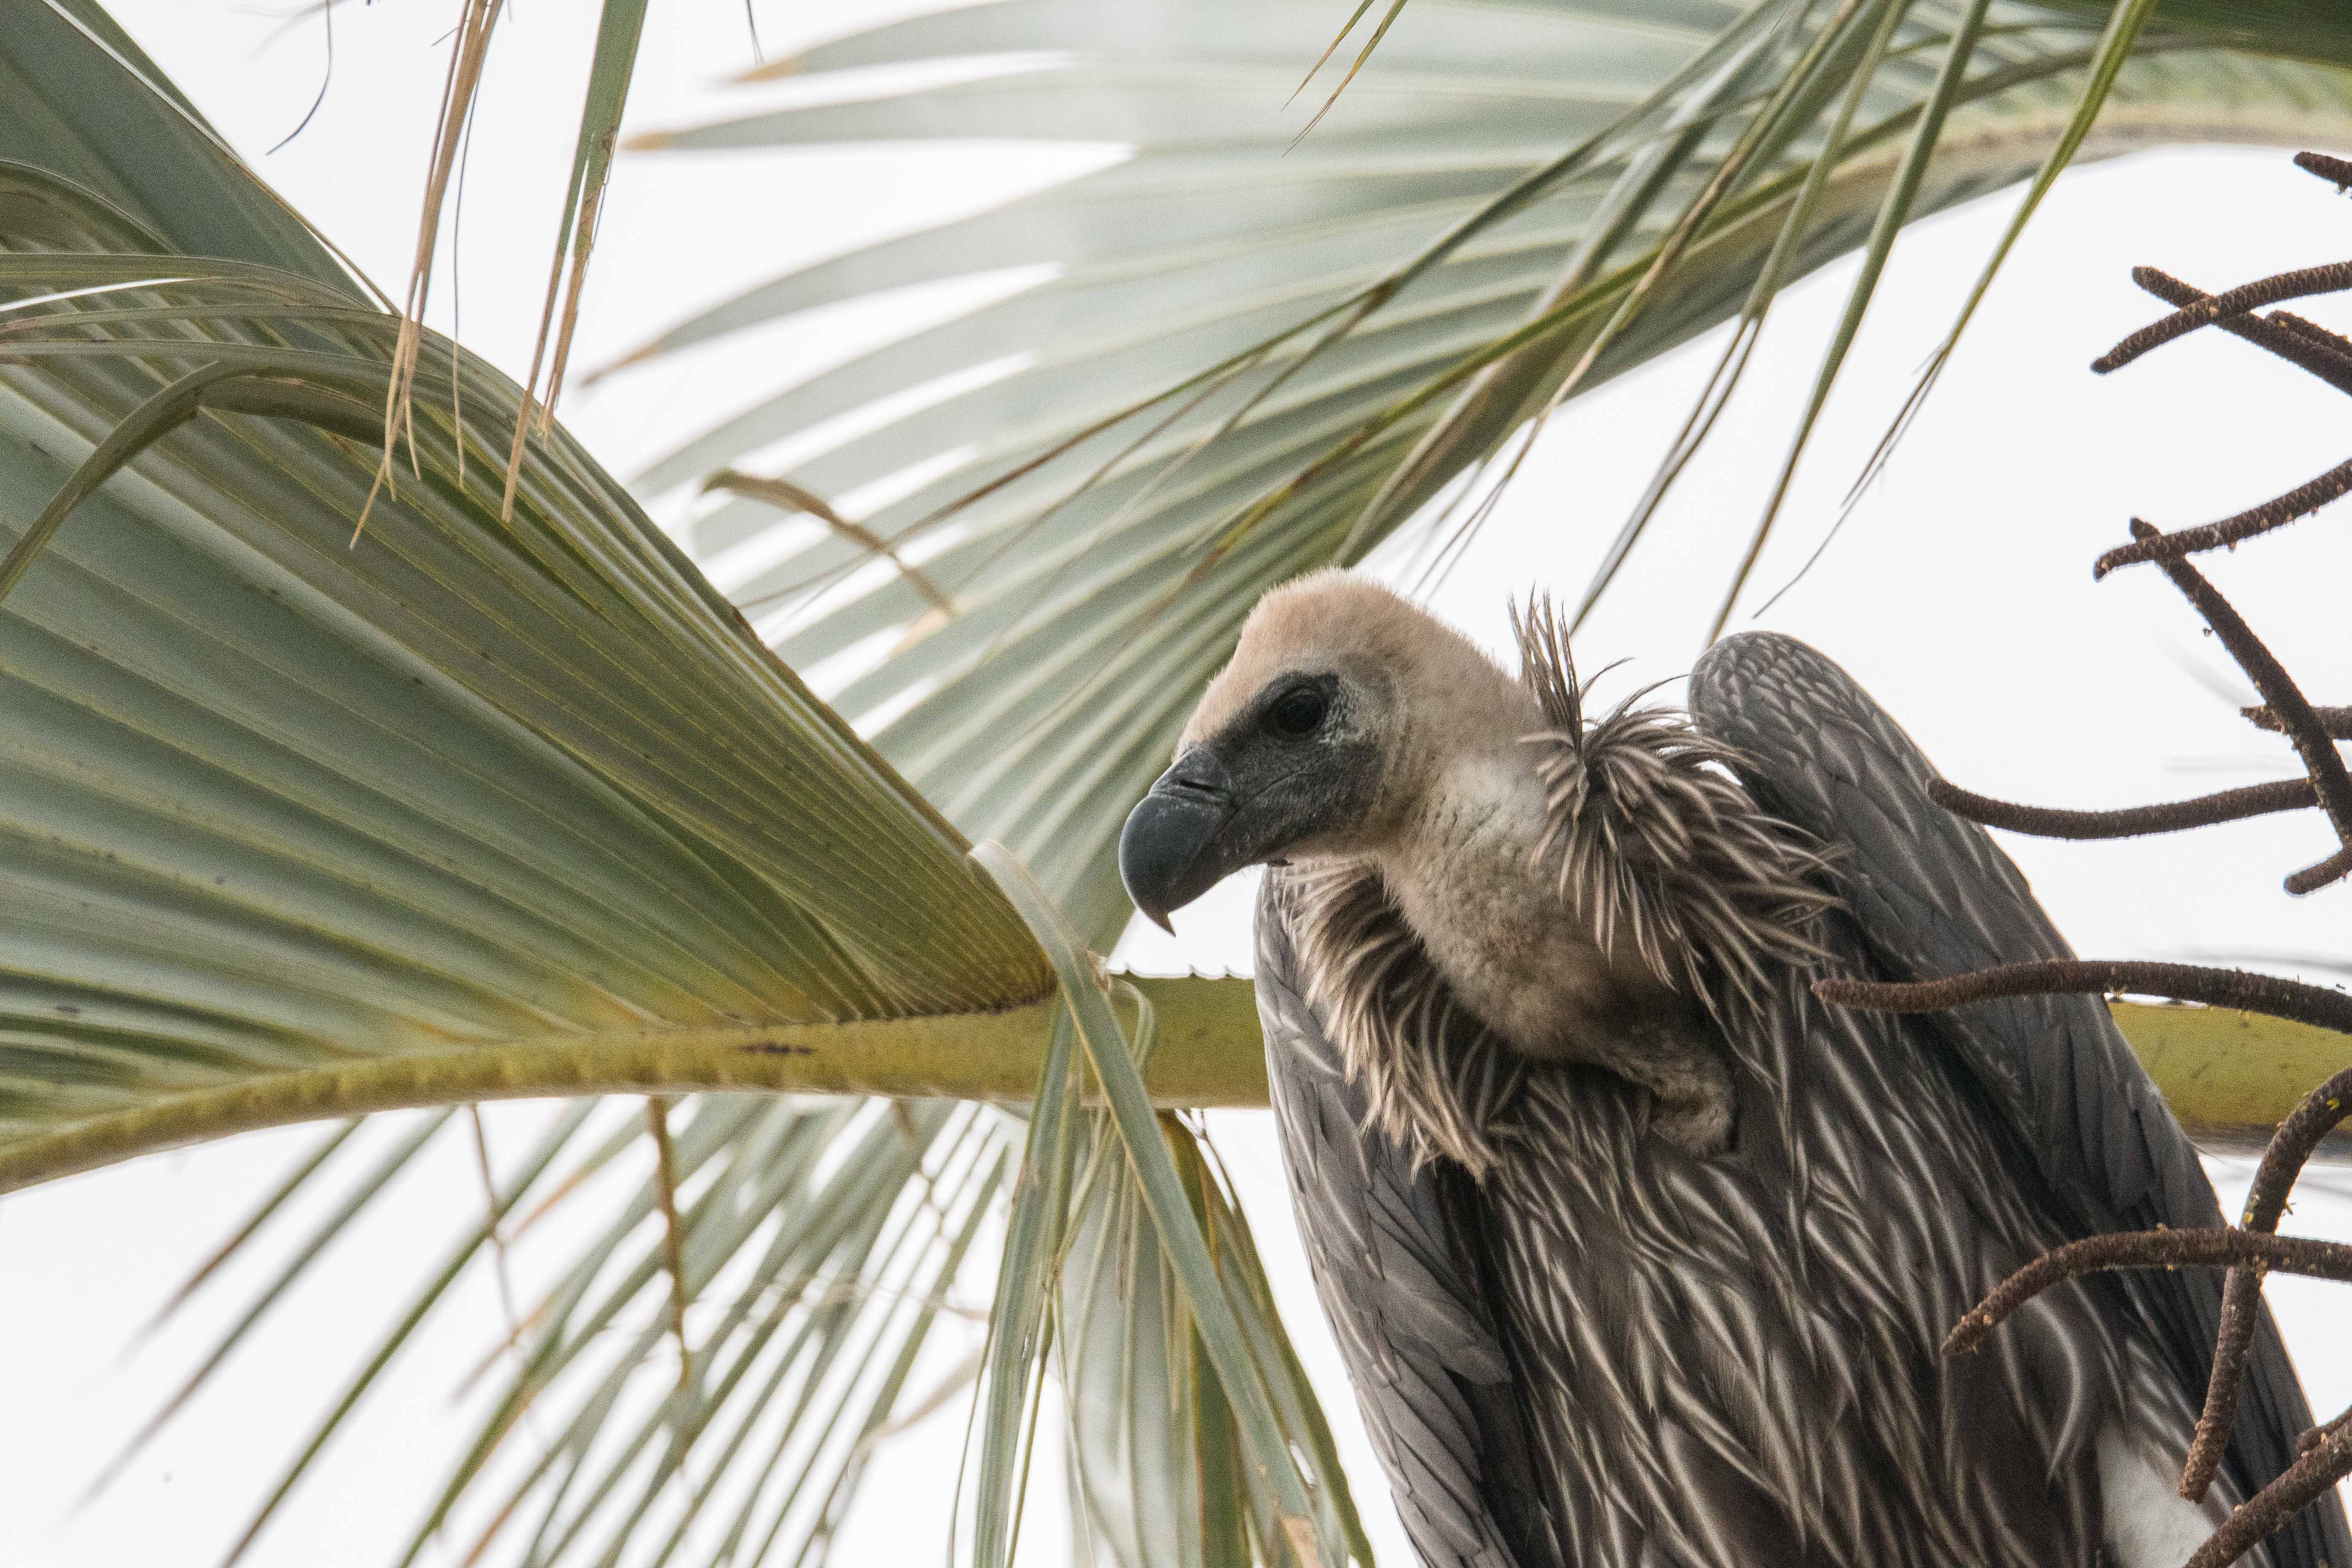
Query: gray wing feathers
point(1413, 1323)
point(1934, 896)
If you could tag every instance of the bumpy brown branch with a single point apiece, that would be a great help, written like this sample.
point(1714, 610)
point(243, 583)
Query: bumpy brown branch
point(2310, 331)
point(2289, 336)
point(2296, 285)
point(2279, 692)
point(2276, 512)
point(2335, 721)
point(2327, 1461)
point(2182, 982)
point(2312, 1439)
point(2222, 1247)
point(2304, 344)
point(2254, 1249)
point(2313, 877)
point(2174, 817)
point(2334, 170)
point(2290, 1148)
point(2241, 1306)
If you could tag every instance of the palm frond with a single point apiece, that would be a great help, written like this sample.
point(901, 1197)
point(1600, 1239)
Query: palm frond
point(1250, 358)
point(282, 801)
point(1248, 1433)
point(306, 818)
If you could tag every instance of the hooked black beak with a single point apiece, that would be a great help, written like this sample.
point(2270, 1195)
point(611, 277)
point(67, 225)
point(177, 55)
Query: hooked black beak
point(1170, 852)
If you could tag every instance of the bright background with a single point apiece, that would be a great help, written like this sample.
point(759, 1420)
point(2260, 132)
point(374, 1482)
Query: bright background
point(1959, 594)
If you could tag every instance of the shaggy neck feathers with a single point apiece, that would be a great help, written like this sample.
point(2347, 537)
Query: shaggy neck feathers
point(1566, 892)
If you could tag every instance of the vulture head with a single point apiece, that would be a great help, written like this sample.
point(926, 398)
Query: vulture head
point(1325, 737)
point(1589, 892)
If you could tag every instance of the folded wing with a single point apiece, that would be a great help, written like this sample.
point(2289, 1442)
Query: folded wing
point(1400, 1268)
point(1934, 896)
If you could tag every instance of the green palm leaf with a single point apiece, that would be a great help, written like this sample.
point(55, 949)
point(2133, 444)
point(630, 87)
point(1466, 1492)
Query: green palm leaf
point(341, 785)
point(1173, 419)
point(283, 798)
point(1231, 1382)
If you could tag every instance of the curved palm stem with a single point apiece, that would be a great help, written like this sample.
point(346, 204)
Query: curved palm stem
point(2221, 1071)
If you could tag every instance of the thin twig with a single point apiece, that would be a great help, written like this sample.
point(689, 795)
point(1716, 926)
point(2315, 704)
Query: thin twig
point(2303, 343)
point(673, 1231)
point(2320, 874)
point(2241, 1305)
point(785, 495)
point(2233, 988)
point(327, 24)
point(2303, 282)
point(2173, 817)
point(2319, 1435)
point(477, 20)
point(2310, 331)
point(2278, 689)
point(2334, 170)
point(2291, 1147)
point(2266, 1512)
point(2289, 336)
point(2276, 512)
point(2219, 1247)
point(2335, 721)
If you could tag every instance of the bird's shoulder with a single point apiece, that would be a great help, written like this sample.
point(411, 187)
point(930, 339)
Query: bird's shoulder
point(1932, 895)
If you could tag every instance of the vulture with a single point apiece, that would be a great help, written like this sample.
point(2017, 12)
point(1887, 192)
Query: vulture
point(1639, 1254)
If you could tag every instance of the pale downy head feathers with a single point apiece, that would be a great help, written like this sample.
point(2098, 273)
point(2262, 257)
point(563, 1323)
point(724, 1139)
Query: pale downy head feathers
point(1386, 659)
point(1336, 621)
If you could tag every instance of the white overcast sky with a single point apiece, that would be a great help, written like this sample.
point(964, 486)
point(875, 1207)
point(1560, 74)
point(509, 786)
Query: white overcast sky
point(1960, 594)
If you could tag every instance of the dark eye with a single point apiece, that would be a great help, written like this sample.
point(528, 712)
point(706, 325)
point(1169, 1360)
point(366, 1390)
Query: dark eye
point(1297, 712)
